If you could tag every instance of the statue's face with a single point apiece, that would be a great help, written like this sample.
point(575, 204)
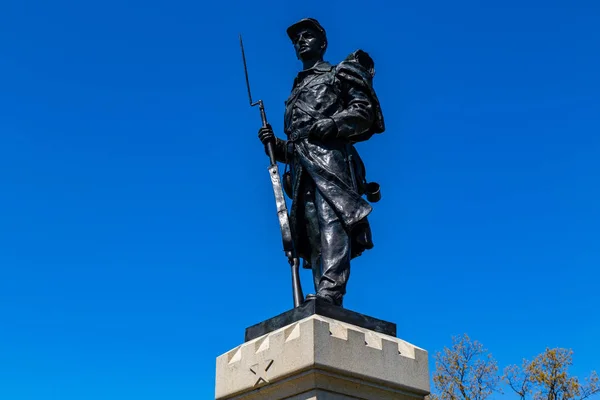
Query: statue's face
point(308, 44)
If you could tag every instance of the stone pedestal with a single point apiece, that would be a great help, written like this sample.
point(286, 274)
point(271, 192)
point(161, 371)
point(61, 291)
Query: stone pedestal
point(317, 357)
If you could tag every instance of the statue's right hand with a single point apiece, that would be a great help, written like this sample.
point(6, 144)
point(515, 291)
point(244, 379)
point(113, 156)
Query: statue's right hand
point(265, 134)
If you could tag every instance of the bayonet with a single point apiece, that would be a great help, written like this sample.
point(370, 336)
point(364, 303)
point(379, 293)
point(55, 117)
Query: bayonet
point(282, 212)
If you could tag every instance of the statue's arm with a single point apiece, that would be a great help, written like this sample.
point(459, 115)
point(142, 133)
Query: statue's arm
point(280, 150)
point(266, 135)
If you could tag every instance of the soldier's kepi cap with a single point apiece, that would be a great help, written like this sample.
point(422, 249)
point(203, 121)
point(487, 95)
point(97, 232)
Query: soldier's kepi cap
point(294, 29)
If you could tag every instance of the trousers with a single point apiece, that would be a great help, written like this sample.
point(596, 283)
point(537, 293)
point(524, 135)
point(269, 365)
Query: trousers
point(329, 243)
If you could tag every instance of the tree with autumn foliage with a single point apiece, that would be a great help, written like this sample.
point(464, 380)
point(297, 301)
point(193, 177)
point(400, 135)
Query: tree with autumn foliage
point(467, 371)
point(547, 378)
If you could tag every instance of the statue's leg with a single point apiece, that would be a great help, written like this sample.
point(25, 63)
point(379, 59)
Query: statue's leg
point(312, 229)
point(335, 252)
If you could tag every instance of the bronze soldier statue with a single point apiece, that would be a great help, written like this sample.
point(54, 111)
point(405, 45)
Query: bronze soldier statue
point(330, 108)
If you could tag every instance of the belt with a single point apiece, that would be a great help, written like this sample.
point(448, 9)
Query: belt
point(297, 136)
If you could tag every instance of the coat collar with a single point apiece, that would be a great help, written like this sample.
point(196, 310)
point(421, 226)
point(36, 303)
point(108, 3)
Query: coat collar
point(318, 68)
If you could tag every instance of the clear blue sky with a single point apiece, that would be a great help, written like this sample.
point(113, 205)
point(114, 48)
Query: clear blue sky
point(138, 234)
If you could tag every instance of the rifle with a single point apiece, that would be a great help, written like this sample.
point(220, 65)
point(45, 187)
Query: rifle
point(282, 212)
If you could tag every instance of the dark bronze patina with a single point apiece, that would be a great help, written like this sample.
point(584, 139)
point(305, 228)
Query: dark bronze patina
point(329, 110)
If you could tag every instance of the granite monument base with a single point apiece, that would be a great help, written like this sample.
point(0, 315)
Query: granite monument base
point(321, 358)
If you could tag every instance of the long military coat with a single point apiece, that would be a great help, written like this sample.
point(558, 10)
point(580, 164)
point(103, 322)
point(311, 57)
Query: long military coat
point(345, 94)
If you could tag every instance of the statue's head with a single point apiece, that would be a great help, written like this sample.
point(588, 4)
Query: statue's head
point(309, 39)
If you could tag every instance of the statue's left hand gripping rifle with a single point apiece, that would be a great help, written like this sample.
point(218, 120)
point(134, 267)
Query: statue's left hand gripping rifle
point(282, 212)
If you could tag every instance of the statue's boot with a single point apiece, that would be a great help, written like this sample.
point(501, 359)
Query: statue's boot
point(327, 298)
